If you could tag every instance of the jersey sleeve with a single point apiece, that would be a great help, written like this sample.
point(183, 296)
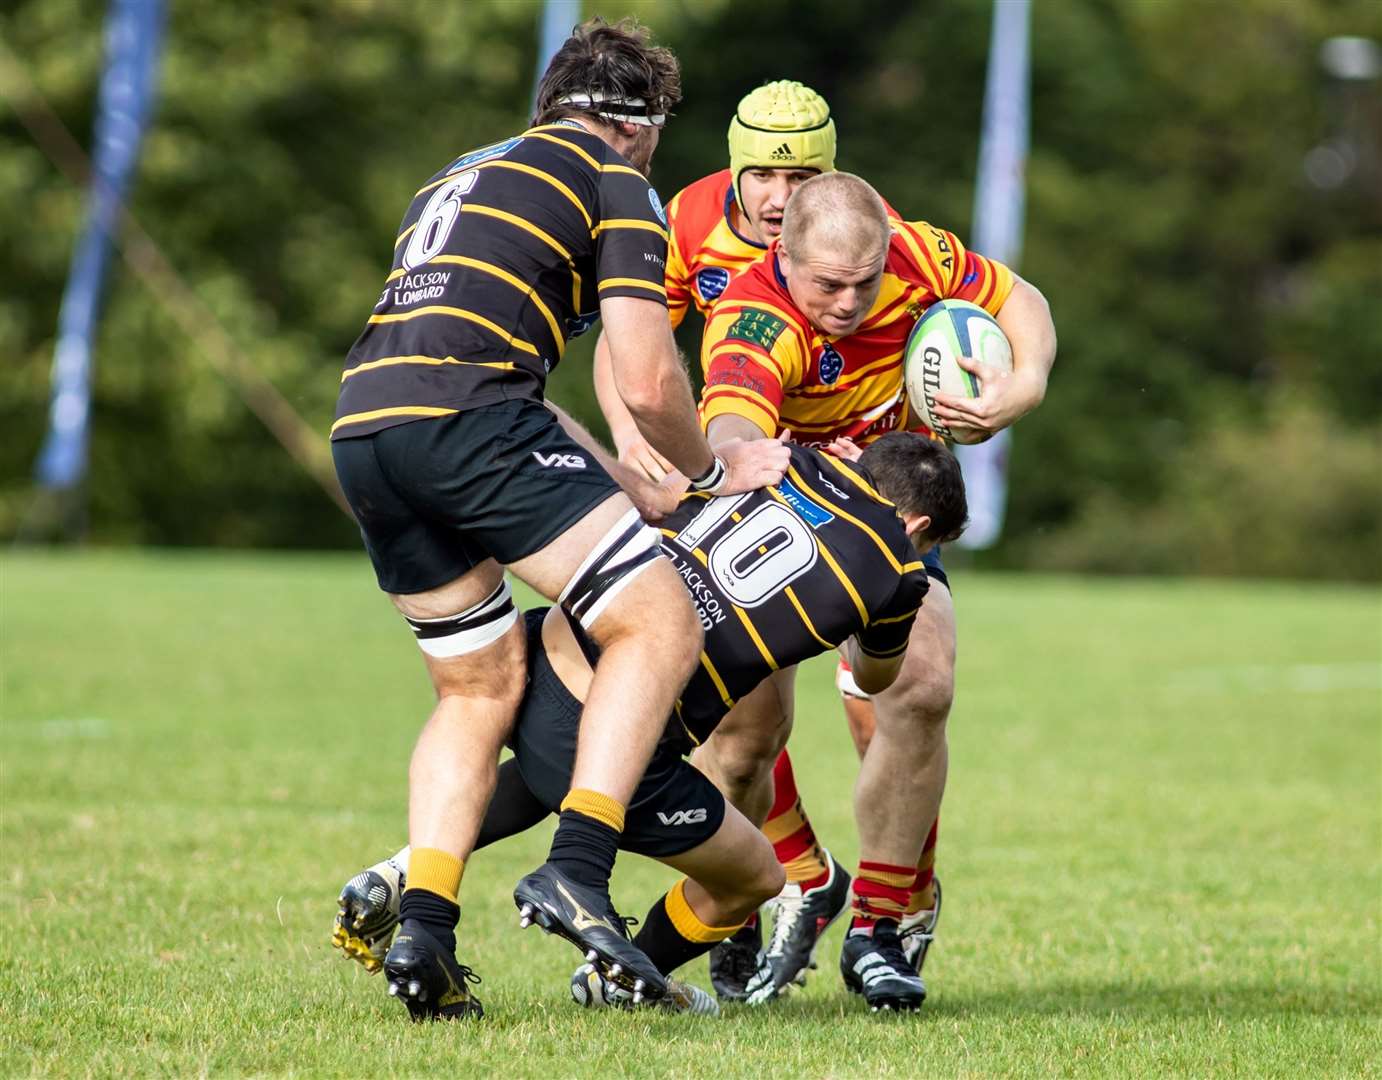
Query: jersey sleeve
point(886, 635)
point(951, 270)
point(678, 276)
point(630, 237)
point(751, 357)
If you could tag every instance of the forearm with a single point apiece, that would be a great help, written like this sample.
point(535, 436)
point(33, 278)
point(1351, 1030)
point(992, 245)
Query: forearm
point(871, 674)
point(623, 428)
point(1025, 318)
point(728, 427)
point(664, 411)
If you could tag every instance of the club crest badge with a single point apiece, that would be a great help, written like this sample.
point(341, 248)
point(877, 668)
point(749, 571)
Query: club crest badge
point(830, 365)
point(711, 282)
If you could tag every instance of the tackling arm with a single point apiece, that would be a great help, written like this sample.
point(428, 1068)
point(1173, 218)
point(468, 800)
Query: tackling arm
point(872, 674)
point(650, 380)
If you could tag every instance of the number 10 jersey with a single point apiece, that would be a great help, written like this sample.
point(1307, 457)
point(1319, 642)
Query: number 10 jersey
point(786, 573)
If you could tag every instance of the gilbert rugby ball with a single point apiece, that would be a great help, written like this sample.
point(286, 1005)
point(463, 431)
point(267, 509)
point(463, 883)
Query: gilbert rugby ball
point(948, 330)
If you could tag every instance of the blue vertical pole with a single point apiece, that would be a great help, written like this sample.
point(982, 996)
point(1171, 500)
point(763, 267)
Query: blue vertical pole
point(134, 30)
point(558, 17)
point(999, 209)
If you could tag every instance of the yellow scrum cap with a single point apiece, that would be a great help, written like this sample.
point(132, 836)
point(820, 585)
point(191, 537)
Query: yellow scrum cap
point(781, 125)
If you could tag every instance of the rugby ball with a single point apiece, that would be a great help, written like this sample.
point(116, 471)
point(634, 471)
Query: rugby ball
point(946, 331)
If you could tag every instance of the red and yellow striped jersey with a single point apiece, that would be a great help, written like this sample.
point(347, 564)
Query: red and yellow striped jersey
point(764, 360)
point(705, 252)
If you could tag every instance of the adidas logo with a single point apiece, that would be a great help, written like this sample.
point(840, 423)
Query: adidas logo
point(782, 153)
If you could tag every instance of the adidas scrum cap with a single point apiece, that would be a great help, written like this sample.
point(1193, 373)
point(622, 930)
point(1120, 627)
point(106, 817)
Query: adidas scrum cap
point(781, 125)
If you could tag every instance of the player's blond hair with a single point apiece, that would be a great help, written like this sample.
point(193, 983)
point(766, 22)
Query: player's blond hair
point(837, 211)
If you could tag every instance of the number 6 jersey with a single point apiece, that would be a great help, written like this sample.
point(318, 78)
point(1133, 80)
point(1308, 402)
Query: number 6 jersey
point(786, 573)
point(501, 258)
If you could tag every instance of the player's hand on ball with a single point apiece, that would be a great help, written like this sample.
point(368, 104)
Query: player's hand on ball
point(1002, 401)
point(752, 464)
point(639, 454)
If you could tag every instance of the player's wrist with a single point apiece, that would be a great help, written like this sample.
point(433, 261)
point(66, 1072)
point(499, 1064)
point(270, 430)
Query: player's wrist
point(713, 479)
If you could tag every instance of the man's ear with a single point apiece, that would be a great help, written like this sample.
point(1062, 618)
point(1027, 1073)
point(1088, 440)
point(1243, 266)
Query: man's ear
point(916, 523)
point(626, 129)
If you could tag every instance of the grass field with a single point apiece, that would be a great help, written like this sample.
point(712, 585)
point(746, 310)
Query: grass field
point(1161, 846)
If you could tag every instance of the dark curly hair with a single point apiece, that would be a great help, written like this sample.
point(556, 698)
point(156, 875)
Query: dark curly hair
point(922, 477)
point(616, 60)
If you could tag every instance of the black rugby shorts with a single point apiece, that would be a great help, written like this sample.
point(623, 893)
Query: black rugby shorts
point(438, 496)
point(675, 806)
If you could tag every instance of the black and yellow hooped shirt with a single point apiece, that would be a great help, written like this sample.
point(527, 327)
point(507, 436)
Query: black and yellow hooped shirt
point(501, 258)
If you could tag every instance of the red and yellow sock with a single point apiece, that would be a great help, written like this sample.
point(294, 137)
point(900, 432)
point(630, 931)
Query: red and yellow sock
point(789, 830)
point(923, 896)
point(880, 892)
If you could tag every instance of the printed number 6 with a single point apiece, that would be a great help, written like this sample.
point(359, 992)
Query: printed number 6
point(437, 220)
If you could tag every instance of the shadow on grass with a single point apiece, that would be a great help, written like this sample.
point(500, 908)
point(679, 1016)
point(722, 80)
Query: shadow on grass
point(1131, 1001)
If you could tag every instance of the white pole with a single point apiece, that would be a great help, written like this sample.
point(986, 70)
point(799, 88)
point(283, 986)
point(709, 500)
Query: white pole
point(999, 206)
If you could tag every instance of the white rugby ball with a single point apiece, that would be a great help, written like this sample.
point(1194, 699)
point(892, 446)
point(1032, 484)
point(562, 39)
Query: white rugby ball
point(946, 331)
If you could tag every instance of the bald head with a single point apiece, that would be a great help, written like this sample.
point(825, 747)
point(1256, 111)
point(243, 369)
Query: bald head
point(836, 212)
point(834, 248)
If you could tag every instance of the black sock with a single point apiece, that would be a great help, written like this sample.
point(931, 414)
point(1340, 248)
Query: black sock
point(584, 849)
point(437, 914)
point(662, 942)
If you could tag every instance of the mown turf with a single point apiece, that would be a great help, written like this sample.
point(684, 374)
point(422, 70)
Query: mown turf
point(1160, 845)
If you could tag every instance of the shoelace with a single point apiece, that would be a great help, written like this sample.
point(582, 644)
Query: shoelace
point(789, 911)
point(468, 975)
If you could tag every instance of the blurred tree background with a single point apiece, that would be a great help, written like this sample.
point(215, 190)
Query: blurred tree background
point(1204, 214)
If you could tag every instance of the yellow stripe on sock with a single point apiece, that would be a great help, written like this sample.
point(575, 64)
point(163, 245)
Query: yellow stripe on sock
point(807, 866)
point(436, 871)
point(784, 825)
point(686, 922)
point(592, 804)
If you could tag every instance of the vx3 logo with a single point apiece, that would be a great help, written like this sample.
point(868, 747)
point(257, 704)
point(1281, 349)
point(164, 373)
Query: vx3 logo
point(683, 817)
point(560, 461)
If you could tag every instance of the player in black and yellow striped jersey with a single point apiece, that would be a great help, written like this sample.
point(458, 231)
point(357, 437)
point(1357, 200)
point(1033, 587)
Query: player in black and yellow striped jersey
point(502, 257)
point(456, 468)
point(830, 557)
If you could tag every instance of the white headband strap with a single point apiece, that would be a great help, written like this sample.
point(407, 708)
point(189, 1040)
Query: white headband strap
point(625, 110)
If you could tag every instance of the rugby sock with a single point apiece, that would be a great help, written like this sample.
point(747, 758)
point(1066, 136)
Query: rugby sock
point(430, 897)
point(789, 830)
point(672, 934)
point(923, 896)
point(587, 838)
point(881, 891)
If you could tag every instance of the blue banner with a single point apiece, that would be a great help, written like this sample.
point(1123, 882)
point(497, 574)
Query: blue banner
point(134, 32)
point(1000, 199)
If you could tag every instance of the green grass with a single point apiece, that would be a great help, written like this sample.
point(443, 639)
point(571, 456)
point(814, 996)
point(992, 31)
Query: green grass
point(1160, 844)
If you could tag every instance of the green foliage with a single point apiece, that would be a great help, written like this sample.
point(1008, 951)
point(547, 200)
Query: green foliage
point(1126, 850)
point(1293, 495)
point(1194, 274)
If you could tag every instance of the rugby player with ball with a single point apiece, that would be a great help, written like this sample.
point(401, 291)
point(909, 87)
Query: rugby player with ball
point(811, 339)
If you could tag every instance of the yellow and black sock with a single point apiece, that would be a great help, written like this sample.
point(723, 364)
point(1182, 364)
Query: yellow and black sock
point(587, 837)
point(431, 896)
point(672, 934)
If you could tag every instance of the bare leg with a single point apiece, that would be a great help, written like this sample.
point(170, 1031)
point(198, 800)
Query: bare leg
point(902, 778)
point(739, 756)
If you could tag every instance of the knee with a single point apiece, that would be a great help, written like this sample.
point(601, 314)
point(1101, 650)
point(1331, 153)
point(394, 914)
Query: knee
point(762, 881)
point(768, 882)
point(744, 763)
point(923, 701)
